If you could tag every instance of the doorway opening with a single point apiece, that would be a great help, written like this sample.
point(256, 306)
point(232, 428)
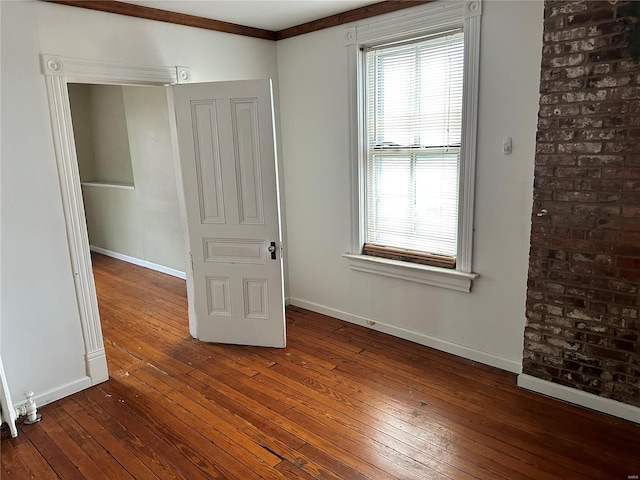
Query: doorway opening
point(59, 72)
point(235, 289)
point(127, 176)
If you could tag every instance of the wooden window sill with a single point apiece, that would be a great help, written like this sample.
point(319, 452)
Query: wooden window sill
point(409, 256)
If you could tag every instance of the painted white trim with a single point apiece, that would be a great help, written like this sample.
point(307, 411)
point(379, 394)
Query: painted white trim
point(468, 147)
point(142, 263)
point(58, 71)
point(121, 186)
point(410, 23)
point(80, 70)
point(8, 413)
point(58, 392)
point(177, 168)
point(413, 272)
point(96, 364)
point(578, 397)
point(432, 17)
point(426, 340)
point(356, 119)
point(75, 223)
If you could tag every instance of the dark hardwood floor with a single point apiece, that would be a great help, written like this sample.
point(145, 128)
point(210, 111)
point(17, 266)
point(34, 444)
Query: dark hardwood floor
point(340, 402)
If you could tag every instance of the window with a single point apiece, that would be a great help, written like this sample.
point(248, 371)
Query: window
point(414, 94)
point(414, 115)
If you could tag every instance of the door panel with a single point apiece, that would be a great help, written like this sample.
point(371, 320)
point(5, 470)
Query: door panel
point(227, 157)
point(208, 162)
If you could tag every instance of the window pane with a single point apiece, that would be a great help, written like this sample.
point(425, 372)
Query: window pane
point(395, 105)
point(413, 201)
point(391, 204)
point(441, 93)
point(414, 116)
point(436, 218)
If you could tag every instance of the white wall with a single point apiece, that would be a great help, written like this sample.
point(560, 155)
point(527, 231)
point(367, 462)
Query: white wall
point(111, 152)
point(145, 222)
point(41, 340)
point(487, 324)
point(80, 101)
point(162, 238)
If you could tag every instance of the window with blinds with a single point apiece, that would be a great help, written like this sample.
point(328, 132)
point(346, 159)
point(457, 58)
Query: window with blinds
point(413, 111)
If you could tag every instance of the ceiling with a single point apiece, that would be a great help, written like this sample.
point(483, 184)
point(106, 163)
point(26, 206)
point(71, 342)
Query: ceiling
point(273, 15)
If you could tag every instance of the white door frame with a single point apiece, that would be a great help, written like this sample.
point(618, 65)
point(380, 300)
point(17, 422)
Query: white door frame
point(58, 72)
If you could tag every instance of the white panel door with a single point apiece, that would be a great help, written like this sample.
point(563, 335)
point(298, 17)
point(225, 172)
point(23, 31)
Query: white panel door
point(228, 165)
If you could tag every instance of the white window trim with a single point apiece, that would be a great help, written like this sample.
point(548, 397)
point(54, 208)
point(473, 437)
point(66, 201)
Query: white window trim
point(433, 16)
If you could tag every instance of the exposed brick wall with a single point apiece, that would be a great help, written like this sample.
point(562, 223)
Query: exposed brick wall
point(583, 298)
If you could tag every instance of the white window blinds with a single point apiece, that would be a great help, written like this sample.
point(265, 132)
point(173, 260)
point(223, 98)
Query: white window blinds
point(414, 120)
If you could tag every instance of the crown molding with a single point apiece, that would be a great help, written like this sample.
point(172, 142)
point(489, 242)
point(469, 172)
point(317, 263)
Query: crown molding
point(349, 16)
point(149, 13)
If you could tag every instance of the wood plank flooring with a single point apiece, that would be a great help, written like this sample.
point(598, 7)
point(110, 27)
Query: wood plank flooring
point(340, 402)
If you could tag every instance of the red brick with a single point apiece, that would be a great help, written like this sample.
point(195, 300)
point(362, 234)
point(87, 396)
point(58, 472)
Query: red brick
point(556, 135)
point(631, 185)
point(598, 210)
point(570, 243)
point(578, 71)
point(609, 81)
point(630, 263)
point(542, 159)
point(579, 147)
point(628, 238)
point(629, 250)
point(587, 45)
point(553, 184)
point(561, 85)
point(573, 221)
point(601, 108)
point(604, 271)
point(624, 224)
point(562, 8)
point(620, 172)
point(617, 147)
point(545, 148)
point(602, 134)
point(609, 197)
point(580, 197)
point(627, 300)
point(555, 208)
point(577, 172)
point(579, 122)
point(632, 275)
point(631, 198)
point(559, 111)
point(632, 212)
point(599, 185)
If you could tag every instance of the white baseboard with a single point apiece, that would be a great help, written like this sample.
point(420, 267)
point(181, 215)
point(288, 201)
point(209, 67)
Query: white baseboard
point(97, 369)
point(142, 263)
point(578, 397)
point(57, 393)
point(438, 344)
